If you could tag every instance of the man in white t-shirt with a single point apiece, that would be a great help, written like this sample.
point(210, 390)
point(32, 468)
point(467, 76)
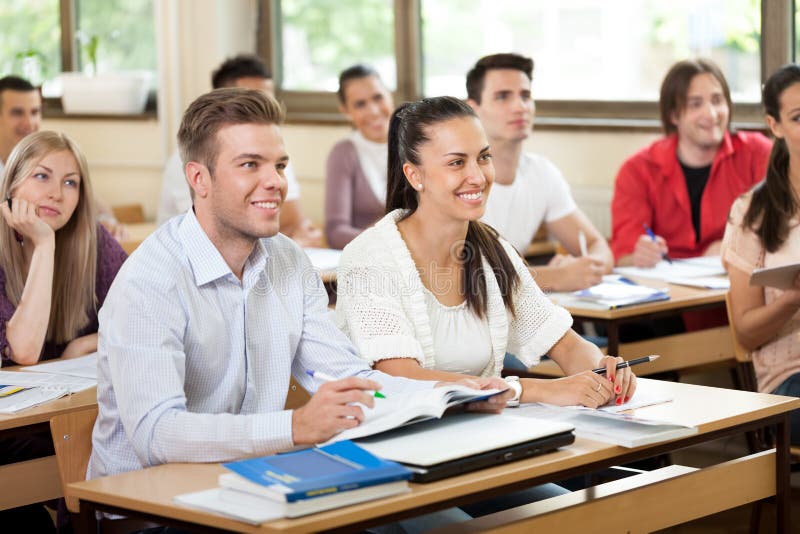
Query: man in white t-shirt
point(248, 72)
point(528, 189)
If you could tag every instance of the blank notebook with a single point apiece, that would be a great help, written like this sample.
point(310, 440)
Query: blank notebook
point(465, 442)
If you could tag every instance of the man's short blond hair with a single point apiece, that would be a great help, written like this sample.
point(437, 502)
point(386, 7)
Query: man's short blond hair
point(209, 113)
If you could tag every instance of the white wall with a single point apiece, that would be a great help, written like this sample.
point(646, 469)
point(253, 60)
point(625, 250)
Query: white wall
point(194, 36)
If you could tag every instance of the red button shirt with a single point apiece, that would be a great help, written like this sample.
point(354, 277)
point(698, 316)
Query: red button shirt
point(651, 189)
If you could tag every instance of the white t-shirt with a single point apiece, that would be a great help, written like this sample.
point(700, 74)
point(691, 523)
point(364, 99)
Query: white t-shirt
point(538, 194)
point(175, 197)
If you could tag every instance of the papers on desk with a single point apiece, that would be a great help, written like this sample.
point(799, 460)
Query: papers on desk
point(72, 384)
point(324, 259)
point(616, 291)
point(27, 398)
point(679, 270)
point(610, 424)
point(85, 367)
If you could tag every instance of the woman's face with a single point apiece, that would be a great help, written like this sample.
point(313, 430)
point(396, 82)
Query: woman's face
point(789, 126)
point(369, 106)
point(53, 186)
point(456, 170)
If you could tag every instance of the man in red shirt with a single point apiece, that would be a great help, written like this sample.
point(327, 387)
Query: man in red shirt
point(681, 187)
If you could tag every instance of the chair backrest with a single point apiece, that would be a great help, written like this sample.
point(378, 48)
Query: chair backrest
point(740, 353)
point(72, 441)
point(128, 213)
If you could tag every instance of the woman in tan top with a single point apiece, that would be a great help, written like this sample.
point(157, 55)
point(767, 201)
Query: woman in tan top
point(763, 231)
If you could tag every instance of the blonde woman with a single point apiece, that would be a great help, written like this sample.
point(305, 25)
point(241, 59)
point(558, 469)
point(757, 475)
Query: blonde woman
point(56, 261)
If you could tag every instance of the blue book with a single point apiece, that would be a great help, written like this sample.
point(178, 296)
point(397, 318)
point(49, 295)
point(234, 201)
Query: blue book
point(312, 473)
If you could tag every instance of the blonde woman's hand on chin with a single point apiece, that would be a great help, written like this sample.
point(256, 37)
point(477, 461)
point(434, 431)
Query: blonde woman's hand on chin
point(23, 218)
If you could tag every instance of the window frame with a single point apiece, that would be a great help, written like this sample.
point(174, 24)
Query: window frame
point(51, 107)
point(777, 48)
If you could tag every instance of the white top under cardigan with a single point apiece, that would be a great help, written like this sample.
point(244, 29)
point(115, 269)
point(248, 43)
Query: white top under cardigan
point(381, 304)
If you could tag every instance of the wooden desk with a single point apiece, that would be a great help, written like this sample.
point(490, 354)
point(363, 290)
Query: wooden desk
point(137, 233)
point(678, 351)
point(716, 412)
point(36, 480)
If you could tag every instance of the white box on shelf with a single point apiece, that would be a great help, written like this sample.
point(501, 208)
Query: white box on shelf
point(120, 93)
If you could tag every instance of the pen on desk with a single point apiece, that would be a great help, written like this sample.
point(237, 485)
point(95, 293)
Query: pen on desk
point(328, 378)
point(629, 363)
point(582, 243)
point(653, 238)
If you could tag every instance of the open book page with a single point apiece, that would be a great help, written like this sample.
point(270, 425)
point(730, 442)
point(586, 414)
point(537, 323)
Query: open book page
point(616, 291)
point(678, 269)
point(407, 408)
point(85, 367)
point(73, 384)
point(704, 282)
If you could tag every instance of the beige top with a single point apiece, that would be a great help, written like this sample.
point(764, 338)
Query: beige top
point(777, 360)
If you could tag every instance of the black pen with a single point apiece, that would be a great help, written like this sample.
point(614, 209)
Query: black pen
point(629, 363)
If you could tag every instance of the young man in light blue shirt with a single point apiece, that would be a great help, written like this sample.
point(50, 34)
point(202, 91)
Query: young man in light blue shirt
point(208, 319)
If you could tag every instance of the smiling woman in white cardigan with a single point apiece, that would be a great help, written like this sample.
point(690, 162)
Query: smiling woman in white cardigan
point(430, 292)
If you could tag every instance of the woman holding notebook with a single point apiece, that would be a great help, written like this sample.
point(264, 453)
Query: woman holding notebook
point(430, 292)
point(764, 231)
point(56, 261)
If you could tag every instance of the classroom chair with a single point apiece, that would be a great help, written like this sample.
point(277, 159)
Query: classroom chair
point(128, 213)
point(72, 441)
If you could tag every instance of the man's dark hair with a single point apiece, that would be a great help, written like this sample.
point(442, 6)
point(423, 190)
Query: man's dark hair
point(477, 75)
point(672, 100)
point(14, 83)
point(235, 68)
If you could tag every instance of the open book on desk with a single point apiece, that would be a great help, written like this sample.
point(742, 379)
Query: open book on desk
point(22, 398)
point(613, 292)
point(72, 384)
point(400, 409)
point(611, 424)
point(704, 266)
point(84, 366)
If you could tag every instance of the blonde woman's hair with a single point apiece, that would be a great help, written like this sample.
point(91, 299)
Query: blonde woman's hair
point(75, 266)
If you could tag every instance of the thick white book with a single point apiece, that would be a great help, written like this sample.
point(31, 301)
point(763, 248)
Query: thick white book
point(234, 499)
point(781, 277)
point(407, 408)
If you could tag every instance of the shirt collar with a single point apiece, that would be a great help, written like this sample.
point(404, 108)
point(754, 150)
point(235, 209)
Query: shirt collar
point(205, 259)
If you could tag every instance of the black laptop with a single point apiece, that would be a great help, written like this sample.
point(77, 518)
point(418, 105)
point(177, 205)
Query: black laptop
point(464, 442)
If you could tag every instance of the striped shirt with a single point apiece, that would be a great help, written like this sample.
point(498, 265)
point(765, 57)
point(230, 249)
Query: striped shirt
point(194, 364)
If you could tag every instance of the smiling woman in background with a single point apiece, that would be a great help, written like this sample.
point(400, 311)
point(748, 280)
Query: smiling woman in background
point(56, 261)
point(355, 189)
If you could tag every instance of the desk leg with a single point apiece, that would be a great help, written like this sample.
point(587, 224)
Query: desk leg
point(85, 521)
point(613, 338)
point(782, 477)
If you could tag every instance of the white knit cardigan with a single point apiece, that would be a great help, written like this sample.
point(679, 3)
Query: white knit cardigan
point(381, 306)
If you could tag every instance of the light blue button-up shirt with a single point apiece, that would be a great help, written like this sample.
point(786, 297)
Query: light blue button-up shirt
point(194, 364)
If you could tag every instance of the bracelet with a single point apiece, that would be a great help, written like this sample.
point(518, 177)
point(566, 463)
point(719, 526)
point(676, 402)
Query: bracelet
point(513, 383)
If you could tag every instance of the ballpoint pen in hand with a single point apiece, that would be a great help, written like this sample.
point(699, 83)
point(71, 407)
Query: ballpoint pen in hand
point(328, 378)
point(629, 363)
point(652, 236)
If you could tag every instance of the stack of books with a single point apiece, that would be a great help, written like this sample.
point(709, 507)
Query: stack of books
point(299, 483)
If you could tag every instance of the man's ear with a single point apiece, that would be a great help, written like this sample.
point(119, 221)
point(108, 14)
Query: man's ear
point(474, 105)
point(198, 178)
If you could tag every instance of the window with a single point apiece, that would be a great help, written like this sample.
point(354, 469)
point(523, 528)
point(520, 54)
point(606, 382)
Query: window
point(592, 49)
point(31, 50)
point(595, 60)
point(42, 38)
point(320, 38)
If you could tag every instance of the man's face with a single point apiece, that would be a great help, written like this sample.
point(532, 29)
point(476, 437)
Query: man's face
point(20, 115)
point(704, 120)
point(247, 187)
point(259, 84)
point(506, 108)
